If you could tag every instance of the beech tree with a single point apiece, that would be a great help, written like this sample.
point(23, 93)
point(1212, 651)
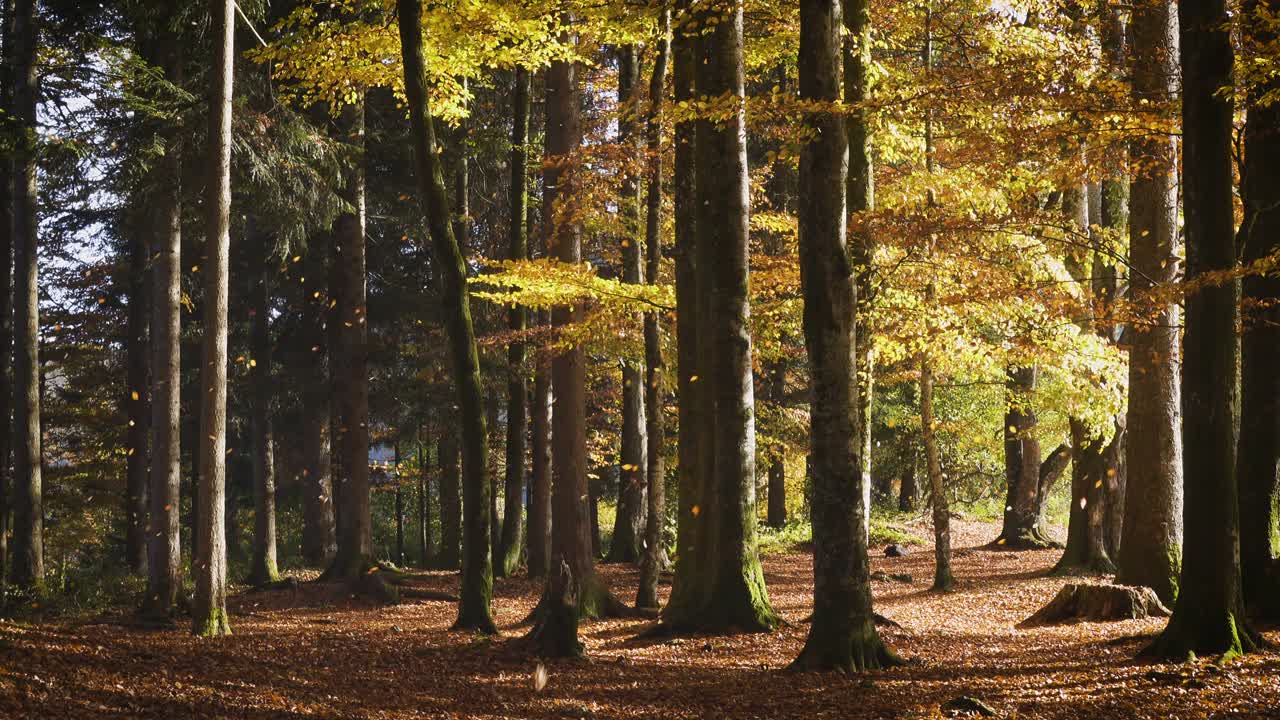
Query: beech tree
point(1208, 617)
point(474, 611)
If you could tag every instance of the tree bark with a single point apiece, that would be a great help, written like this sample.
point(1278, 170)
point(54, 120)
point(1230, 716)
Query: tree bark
point(137, 403)
point(164, 551)
point(6, 291)
point(209, 614)
point(688, 587)
point(571, 522)
point(399, 509)
point(540, 468)
point(450, 501)
point(1208, 617)
point(738, 595)
point(1023, 526)
point(517, 385)
point(263, 569)
point(355, 526)
point(424, 511)
point(776, 513)
point(654, 555)
point(628, 527)
point(1260, 387)
point(27, 568)
point(474, 611)
point(842, 635)
point(860, 197)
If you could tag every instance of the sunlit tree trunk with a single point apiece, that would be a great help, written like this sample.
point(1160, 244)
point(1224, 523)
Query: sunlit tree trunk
point(474, 607)
point(860, 197)
point(1151, 546)
point(6, 290)
point(688, 585)
point(842, 635)
point(628, 527)
point(136, 402)
point(164, 555)
point(1260, 410)
point(263, 568)
point(1208, 617)
point(654, 556)
point(540, 468)
point(737, 594)
point(424, 510)
point(209, 612)
point(517, 385)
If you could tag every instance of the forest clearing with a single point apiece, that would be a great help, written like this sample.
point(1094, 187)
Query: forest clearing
point(307, 654)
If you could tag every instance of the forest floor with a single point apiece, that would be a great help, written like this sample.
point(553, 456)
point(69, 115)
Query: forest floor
point(316, 653)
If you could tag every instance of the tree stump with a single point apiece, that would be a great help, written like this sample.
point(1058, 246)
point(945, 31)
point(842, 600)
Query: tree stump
point(1080, 601)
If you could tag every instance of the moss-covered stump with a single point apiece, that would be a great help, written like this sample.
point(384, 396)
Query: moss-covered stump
point(1080, 601)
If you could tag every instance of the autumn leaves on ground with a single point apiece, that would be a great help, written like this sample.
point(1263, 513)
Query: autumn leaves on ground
point(311, 652)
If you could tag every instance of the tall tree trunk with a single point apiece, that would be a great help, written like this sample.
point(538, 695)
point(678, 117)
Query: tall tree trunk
point(1208, 617)
point(209, 614)
point(908, 485)
point(164, 550)
point(540, 468)
point(399, 509)
point(27, 568)
point(263, 568)
point(842, 635)
point(355, 525)
point(319, 536)
point(1260, 390)
point(738, 595)
point(6, 290)
point(860, 197)
point(137, 403)
point(571, 519)
point(942, 579)
point(1086, 551)
point(776, 515)
point(424, 510)
point(474, 609)
point(628, 526)
point(688, 588)
point(450, 501)
point(654, 556)
point(517, 385)
point(781, 191)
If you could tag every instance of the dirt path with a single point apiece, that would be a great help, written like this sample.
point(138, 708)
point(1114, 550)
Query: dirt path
point(311, 654)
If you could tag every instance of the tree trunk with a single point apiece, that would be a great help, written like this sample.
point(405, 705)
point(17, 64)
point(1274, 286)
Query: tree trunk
point(842, 635)
point(27, 568)
point(450, 501)
point(164, 549)
point(137, 404)
point(571, 523)
point(1023, 526)
point(1260, 389)
point(474, 611)
point(6, 291)
point(517, 385)
point(738, 595)
point(319, 539)
point(942, 579)
point(1208, 617)
point(1086, 550)
point(209, 614)
point(424, 510)
point(654, 555)
point(777, 510)
point(628, 527)
point(860, 197)
point(400, 561)
point(540, 468)
point(264, 569)
point(688, 587)
point(908, 486)
point(355, 525)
